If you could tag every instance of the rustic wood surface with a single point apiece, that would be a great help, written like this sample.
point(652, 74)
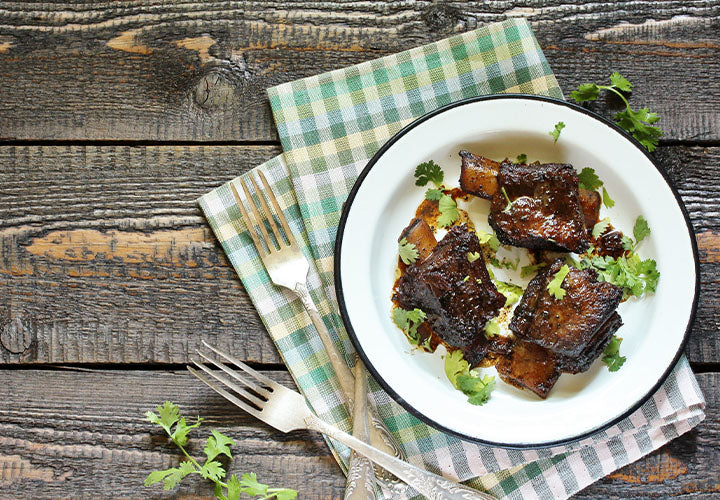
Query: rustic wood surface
point(115, 117)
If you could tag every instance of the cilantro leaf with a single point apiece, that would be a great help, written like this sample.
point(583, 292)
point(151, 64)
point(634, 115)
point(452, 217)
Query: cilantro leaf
point(641, 230)
point(433, 194)
point(589, 179)
point(555, 133)
point(408, 252)
point(585, 92)
point(522, 158)
point(212, 470)
point(600, 227)
point(508, 207)
point(427, 172)
point(158, 475)
point(182, 430)
point(462, 378)
point(218, 444)
point(489, 239)
point(284, 493)
point(234, 488)
point(611, 355)
point(168, 415)
point(526, 271)
point(607, 201)
point(455, 365)
point(619, 81)
point(627, 242)
point(511, 292)
point(634, 275)
point(408, 322)
point(473, 256)
point(448, 211)
point(492, 328)
point(555, 285)
point(505, 263)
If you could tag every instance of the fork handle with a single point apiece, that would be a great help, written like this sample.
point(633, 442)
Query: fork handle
point(426, 483)
point(380, 436)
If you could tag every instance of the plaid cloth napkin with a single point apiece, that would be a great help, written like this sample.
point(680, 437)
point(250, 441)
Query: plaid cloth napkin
point(330, 125)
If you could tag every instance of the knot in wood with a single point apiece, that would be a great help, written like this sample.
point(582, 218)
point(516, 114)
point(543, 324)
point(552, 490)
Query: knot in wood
point(440, 17)
point(16, 335)
point(219, 85)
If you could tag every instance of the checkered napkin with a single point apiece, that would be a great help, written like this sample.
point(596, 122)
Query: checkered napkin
point(330, 125)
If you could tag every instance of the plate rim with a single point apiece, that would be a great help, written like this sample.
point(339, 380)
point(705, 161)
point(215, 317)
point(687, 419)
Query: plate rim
point(384, 384)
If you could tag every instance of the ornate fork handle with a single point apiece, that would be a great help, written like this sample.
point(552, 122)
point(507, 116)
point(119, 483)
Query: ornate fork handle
point(426, 483)
point(380, 436)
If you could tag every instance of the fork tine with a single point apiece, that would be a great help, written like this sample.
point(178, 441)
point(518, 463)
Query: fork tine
point(279, 212)
point(268, 213)
point(266, 380)
point(243, 380)
point(232, 385)
point(250, 223)
point(256, 213)
point(242, 404)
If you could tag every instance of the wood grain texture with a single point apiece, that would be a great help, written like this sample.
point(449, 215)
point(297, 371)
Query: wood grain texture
point(198, 70)
point(106, 258)
point(82, 434)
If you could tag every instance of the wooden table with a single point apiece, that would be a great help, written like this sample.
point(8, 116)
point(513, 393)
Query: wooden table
point(114, 118)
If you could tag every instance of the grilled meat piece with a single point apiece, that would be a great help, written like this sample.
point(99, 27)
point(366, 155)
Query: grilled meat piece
point(594, 348)
point(590, 205)
point(529, 366)
point(571, 326)
point(421, 235)
point(478, 175)
point(544, 212)
point(457, 295)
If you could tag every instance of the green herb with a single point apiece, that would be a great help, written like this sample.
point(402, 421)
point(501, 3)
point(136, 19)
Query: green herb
point(506, 264)
point(408, 322)
point(600, 227)
point(634, 275)
point(556, 131)
point(489, 239)
point(408, 252)
point(427, 172)
point(469, 382)
point(641, 230)
point(526, 271)
point(473, 256)
point(168, 417)
point(466, 278)
point(522, 158)
point(492, 328)
point(509, 203)
point(448, 211)
point(589, 179)
point(611, 355)
point(555, 286)
point(433, 194)
point(511, 292)
point(627, 242)
point(638, 123)
point(607, 201)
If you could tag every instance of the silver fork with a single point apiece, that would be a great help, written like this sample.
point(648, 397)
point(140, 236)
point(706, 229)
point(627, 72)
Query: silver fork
point(287, 411)
point(288, 267)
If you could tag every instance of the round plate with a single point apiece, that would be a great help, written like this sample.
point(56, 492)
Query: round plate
point(383, 202)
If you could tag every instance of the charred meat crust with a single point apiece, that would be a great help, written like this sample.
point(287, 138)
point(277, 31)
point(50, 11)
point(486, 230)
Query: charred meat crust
point(545, 213)
point(478, 175)
point(457, 295)
point(529, 366)
point(420, 234)
point(567, 326)
point(594, 349)
point(590, 205)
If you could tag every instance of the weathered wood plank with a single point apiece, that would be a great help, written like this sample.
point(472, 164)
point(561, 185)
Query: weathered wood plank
point(83, 434)
point(106, 258)
point(198, 70)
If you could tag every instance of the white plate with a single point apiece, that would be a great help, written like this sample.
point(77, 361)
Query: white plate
point(384, 200)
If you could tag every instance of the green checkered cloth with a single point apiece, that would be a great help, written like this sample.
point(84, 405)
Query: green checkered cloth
point(330, 125)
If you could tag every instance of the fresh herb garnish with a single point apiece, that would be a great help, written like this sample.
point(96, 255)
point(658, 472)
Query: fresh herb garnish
point(473, 256)
point(634, 275)
point(408, 252)
point(611, 355)
point(448, 211)
point(556, 131)
point(641, 230)
point(607, 201)
point(522, 158)
point(469, 382)
point(600, 227)
point(507, 198)
point(433, 194)
point(555, 285)
point(168, 417)
point(492, 328)
point(505, 263)
point(427, 172)
point(408, 322)
point(511, 292)
point(638, 123)
point(466, 278)
point(489, 239)
point(526, 271)
point(589, 179)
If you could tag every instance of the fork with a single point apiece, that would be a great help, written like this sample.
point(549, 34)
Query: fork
point(288, 267)
point(286, 410)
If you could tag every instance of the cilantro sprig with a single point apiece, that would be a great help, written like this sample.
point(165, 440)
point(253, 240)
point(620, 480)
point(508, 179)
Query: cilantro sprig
point(555, 285)
point(489, 239)
point(448, 211)
point(555, 133)
point(407, 251)
point(429, 171)
point(511, 292)
point(168, 417)
point(590, 181)
point(611, 355)
point(469, 382)
point(637, 123)
point(526, 271)
point(408, 322)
